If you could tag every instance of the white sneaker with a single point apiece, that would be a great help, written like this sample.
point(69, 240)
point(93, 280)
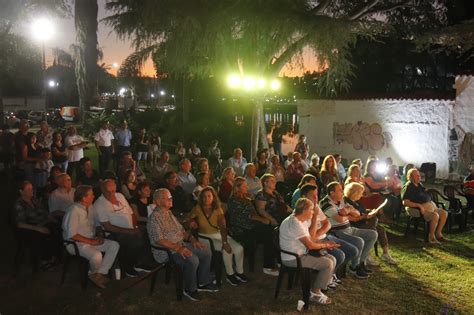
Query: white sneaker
point(272, 272)
point(371, 262)
point(388, 259)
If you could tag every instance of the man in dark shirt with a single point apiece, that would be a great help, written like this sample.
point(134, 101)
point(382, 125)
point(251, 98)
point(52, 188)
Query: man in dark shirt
point(414, 195)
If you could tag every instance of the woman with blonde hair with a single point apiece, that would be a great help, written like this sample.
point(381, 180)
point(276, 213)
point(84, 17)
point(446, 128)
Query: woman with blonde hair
point(354, 175)
point(212, 224)
point(352, 194)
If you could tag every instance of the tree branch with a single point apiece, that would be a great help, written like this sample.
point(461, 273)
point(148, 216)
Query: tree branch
point(355, 15)
point(386, 10)
point(320, 7)
point(280, 61)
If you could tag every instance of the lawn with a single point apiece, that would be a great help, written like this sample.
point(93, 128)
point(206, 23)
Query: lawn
point(427, 280)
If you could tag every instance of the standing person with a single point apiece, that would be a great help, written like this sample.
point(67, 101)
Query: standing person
point(339, 214)
point(103, 143)
point(155, 148)
point(188, 253)
point(295, 237)
point(414, 195)
point(143, 146)
point(44, 135)
point(277, 138)
point(59, 151)
point(42, 170)
point(211, 221)
point(302, 147)
point(340, 168)
point(194, 152)
point(123, 138)
point(7, 147)
point(180, 151)
point(31, 155)
point(214, 154)
point(78, 226)
point(22, 140)
point(238, 162)
point(75, 145)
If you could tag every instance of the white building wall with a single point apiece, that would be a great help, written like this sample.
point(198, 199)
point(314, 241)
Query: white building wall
point(409, 131)
point(463, 114)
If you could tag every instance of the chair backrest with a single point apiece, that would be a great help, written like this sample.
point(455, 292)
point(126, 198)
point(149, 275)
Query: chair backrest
point(436, 195)
point(276, 242)
point(449, 191)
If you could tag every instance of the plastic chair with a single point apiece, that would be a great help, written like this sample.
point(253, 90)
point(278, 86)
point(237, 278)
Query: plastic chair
point(171, 268)
point(439, 199)
point(416, 220)
point(217, 261)
point(305, 273)
point(455, 207)
point(82, 262)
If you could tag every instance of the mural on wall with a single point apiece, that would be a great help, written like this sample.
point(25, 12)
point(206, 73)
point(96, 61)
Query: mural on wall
point(363, 136)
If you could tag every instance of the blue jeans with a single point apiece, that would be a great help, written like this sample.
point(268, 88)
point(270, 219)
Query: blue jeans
point(195, 268)
point(363, 239)
point(342, 254)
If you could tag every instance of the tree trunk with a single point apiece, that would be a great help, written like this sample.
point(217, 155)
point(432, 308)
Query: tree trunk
point(85, 19)
point(262, 127)
point(255, 132)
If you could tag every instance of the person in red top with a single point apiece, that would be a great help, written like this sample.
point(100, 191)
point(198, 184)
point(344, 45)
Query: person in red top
point(227, 181)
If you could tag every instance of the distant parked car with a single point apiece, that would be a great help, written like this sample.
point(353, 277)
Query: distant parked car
point(36, 116)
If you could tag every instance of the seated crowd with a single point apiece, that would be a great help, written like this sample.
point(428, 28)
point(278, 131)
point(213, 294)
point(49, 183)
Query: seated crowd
point(323, 212)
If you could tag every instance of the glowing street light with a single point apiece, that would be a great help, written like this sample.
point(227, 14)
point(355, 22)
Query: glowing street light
point(52, 83)
point(152, 95)
point(42, 29)
point(162, 93)
point(115, 65)
point(234, 81)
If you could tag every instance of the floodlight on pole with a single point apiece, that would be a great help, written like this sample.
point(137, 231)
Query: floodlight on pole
point(248, 83)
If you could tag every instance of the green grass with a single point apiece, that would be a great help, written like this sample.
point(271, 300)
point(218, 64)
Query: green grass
point(427, 280)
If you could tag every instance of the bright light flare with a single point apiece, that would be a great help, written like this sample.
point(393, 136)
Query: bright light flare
point(42, 29)
point(248, 83)
point(162, 93)
point(234, 81)
point(261, 83)
point(381, 168)
point(275, 85)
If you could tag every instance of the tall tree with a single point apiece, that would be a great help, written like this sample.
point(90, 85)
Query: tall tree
point(256, 37)
point(85, 19)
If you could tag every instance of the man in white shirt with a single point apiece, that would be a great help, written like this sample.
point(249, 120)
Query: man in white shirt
point(238, 162)
point(104, 144)
point(186, 178)
point(115, 215)
point(78, 226)
point(295, 237)
point(75, 145)
point(62, 197)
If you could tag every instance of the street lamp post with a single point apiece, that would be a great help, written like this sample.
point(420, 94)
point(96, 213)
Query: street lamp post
point(43, 30)
point(256, 87)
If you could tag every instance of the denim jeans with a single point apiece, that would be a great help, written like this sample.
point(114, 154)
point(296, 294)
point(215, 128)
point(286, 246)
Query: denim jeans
point(363, 239)
point(196, 268)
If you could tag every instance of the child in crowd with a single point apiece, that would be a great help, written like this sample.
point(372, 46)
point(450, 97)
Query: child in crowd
point(42, 169)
